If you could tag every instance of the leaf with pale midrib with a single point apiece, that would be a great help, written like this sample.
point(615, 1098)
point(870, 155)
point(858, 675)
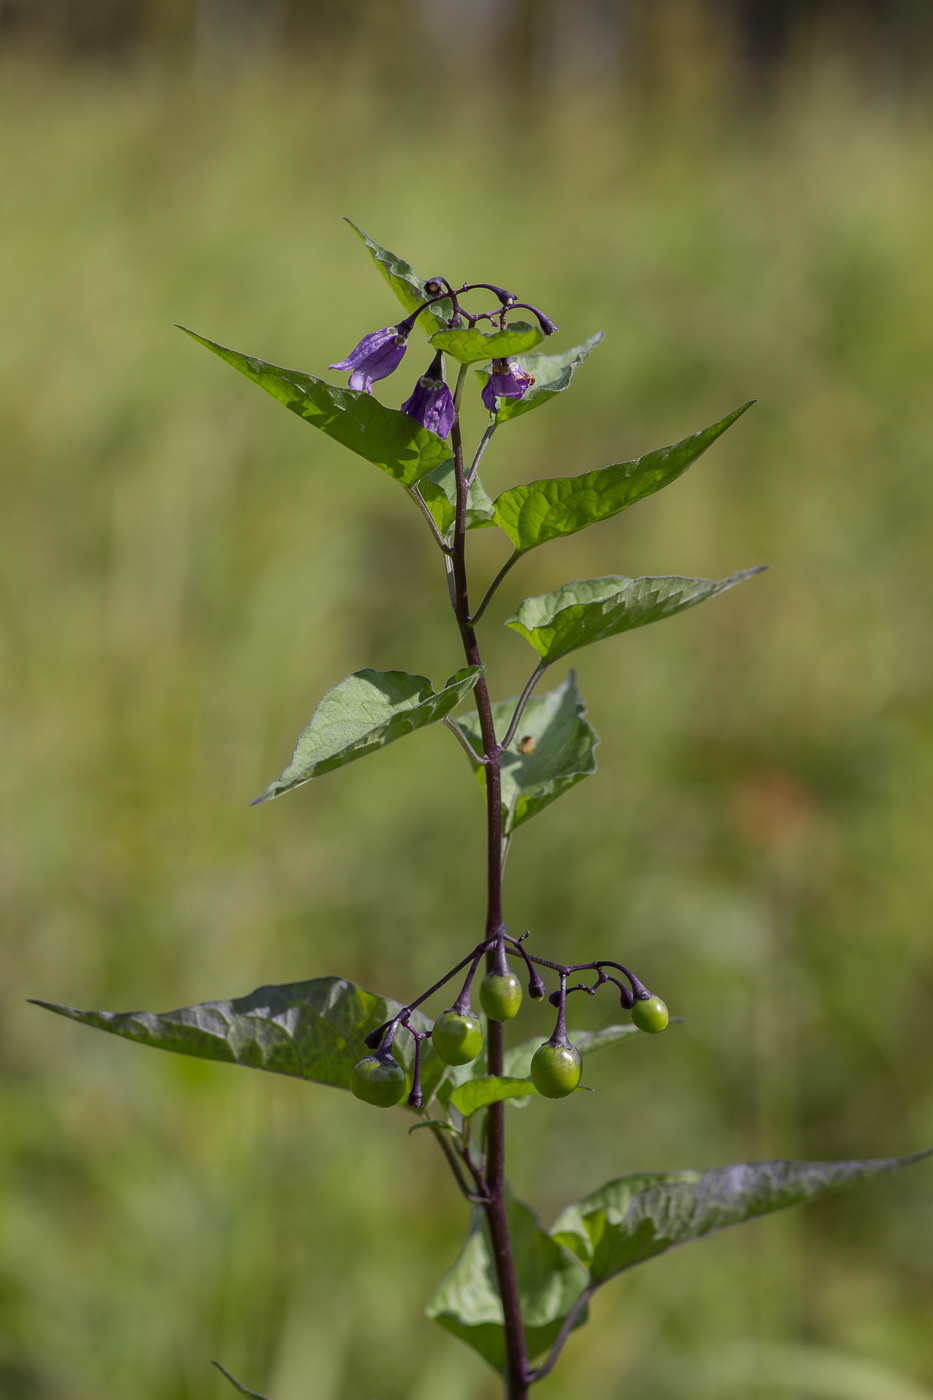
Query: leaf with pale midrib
point(439, 491)
point(362, 714)
point(384, 436)
point(590, 610)
point(552, 375)
point(468, 344)
point(564, 750)
point(550, 1281)
point(307, 1030)
point(406, 284)
point(639, 1216)
point(555, 507)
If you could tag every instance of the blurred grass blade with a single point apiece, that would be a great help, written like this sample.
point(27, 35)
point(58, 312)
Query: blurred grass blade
point(552, 374)
point(362, 714)
point(439, 491)
point(589, 610)
point(384, 436)
point(563, 752)
point(639, 1216)
point(554, 507)
point(307, 1030)
point(815, 1372)
point(550, 1281)
point(243, 1389)
point(406, 284)
point(468, 344)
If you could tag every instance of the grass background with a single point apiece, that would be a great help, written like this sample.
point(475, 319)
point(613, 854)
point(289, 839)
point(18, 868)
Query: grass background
point(184, 570)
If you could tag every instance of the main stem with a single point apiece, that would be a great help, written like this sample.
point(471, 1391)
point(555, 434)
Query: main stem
point(517, 1369)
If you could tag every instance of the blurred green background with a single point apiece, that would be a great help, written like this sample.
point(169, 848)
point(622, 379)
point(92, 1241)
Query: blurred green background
point(185, 568)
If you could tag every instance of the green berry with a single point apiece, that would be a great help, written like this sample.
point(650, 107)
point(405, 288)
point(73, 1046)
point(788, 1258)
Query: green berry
point(379, 1080)
point(556, 1069)
point(457, 1038)
point(500, 995)
point(651, 1015)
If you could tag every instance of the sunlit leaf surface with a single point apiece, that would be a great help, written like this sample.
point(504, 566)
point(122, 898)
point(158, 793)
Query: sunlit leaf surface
point(363, 713)
point(384, 436)
point(557, 506)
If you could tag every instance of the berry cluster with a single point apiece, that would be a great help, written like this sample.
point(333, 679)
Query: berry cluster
point(457, 1036)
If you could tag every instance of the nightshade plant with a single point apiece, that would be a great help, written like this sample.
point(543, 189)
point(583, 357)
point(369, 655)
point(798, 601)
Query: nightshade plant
point(516, 1292)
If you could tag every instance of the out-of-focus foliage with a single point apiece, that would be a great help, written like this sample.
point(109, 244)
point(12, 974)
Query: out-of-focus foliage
point(185, 570)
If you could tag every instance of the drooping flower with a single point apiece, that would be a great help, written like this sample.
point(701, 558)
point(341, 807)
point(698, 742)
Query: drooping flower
point(507, 381)
point(431, 403)
point(378, 355)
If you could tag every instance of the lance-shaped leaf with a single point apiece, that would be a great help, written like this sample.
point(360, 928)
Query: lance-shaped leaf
point(644, 1214)
point(562, 754)
point(439, 491)
point(468, 344)
point(550, 1280)
point(552, 374)
point(406, 284)
point(557, 506)
point(363, 713)
point(589, 610)
point(309, 1030)
point(384, 436)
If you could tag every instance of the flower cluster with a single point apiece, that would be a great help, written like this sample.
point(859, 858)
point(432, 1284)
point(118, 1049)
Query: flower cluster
point(431, 404)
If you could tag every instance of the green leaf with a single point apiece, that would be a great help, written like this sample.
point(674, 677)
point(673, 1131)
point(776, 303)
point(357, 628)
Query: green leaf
point(554, 507)
point(439, 491)
point(644, 1214)
point(550, 1280)
point(552, 374)
point(363, 713)
point(384, 436)
point(308, 1030)
point(469, 1098)
point(407, 285)
point(563, 754)
point(238, 1385)
point(589, 610)
point(469, 344)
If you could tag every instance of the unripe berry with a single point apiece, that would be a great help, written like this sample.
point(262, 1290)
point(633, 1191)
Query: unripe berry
point(457, 1037)
point(651, 1015)
point(556, 1069)
point(379, 1079)
point(500, 995)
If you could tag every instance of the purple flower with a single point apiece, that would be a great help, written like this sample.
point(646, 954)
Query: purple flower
point(376, 356)
point(507, 381)
point(431, 404)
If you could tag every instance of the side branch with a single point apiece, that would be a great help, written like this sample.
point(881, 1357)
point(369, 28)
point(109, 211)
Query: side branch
point(484, 443)
point(472, 1196)
point(573, 1317)
point(458, 733)
point(523, 699)
point(490, 591)
point(422, 505)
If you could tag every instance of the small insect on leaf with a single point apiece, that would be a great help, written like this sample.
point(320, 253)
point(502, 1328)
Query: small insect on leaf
point(528, 744)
